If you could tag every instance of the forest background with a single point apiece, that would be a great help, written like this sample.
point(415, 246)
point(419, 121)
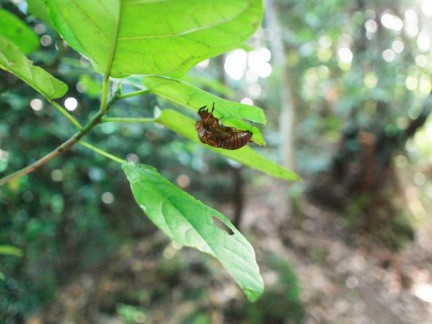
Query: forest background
point(346, 92)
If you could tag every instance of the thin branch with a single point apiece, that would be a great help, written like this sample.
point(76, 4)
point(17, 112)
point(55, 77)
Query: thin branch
point(64, 146)
point(64, 112)
point(59, 150)
point(127, 120)
point(105, 93)
point(105, 105)
point(102, 152)
point(134, 94)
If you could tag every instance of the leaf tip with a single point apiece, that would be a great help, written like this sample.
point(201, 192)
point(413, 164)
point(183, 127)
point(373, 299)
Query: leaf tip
point(253, 294)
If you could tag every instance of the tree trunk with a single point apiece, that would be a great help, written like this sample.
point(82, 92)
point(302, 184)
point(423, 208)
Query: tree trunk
point(287, 105)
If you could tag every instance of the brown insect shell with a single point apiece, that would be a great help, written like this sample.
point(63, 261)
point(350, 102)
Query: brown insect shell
point(207, 118)
point(236, 140)
point(211, 132)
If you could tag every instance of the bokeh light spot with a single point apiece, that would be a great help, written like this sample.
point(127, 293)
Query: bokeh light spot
point(71, 103)
point(107, 197)
point(36, 104)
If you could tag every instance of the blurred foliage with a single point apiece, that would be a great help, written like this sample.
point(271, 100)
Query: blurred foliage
point(59, 216)
point(341, 74)
point(183, 281)
point(361, 84)
point(131, 314)
point(279, 304)
point(74, 212)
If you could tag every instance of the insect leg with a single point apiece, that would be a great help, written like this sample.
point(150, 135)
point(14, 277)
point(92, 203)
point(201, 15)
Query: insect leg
point(201, 109)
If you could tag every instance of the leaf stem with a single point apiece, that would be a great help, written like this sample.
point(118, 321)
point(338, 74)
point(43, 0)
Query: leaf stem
point(127, 120)
point(64, 112)
point(57, 151)
point(105, 93)
point(105, 105)
point(96, 119)
point(134, 94)
point(102, 152)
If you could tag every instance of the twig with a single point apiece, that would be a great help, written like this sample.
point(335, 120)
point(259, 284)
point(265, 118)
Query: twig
point(128, 120)
point(102, 152)
point(64, 112)
point(105, 106)
point(59, 150)
point(134, 94)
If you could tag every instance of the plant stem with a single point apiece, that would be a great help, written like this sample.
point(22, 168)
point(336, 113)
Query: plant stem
point(57, 151)
point(64, 112)
point(127, 120)
point(105, 105)
point(105, 92)
point(102, 152)
point(69, 143)
point(134, 94)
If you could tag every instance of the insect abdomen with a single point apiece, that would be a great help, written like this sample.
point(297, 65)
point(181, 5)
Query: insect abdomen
point(213, 133)
point(237, 140)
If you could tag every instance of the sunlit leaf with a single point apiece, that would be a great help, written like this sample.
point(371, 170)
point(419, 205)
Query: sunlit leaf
point(184, 126)
point(228, 111)
point(154, 37)
point(189, 222)
point(91, 85)
point(192, 97)
point(10, 250)
point(38, 9)
point(214, 85)
point(18, 32)
point(14, 61)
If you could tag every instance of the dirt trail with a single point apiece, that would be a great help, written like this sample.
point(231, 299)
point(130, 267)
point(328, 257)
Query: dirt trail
point(340, 282)
point(347, 283)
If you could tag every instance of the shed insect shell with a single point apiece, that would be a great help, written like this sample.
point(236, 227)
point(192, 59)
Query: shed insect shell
point(237, 140)
point(207, 118)
point(212, 132)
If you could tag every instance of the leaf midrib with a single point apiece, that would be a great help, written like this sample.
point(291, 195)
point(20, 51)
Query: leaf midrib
point(186, 32)
point(115, 42)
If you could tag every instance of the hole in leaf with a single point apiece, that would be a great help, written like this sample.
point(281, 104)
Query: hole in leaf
point(222, 225)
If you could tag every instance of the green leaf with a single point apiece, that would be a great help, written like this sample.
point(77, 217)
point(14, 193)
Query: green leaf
point(214, 85)
point(38, 9)
point(91, 85)
point(18, 32)
point(153, 37)
point(10, 250)
point(192, 97)
point(189, 222)
point(185, 126)
point(14, 61)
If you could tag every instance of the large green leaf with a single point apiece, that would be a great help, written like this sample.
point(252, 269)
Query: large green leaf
point(192, 97)
point(184, 126)
point(153, 37)
point(14, 61)
point(10, 250)
point(189, 222)
point(38, 9)
point(18, 32)
point(189, 96)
